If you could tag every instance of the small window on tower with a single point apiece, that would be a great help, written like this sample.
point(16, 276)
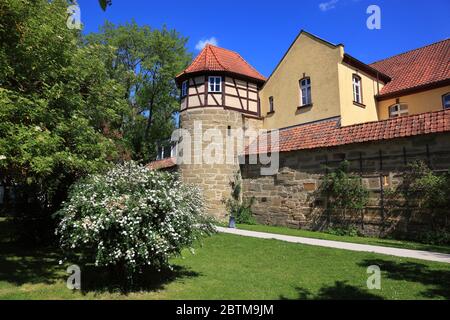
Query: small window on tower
point(184, 88)
point(215, 84)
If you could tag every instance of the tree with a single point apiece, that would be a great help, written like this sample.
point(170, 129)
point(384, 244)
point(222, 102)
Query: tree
point(145, 62)
point(105, 3)
point(60, 111)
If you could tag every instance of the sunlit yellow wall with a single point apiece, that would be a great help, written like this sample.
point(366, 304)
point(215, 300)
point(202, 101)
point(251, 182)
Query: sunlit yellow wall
point(317, 60)
point(430, 100)
point(351, 113)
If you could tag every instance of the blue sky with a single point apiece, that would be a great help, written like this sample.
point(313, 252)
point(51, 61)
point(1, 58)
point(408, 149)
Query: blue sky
point(261, 31)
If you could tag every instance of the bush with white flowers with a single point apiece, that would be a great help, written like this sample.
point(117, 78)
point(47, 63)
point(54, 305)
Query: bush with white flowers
point(132, 217)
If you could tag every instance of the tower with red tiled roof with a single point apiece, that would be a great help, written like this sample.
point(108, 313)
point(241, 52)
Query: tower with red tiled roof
point(220, 94)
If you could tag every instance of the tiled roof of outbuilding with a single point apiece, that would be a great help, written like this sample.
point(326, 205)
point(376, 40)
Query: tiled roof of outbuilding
point(329, 133)
point(417, 68)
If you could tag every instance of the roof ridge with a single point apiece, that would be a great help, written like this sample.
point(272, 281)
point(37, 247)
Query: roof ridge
point(409, 51)
point(215, 56)
point(249, 65)
point(417, 115)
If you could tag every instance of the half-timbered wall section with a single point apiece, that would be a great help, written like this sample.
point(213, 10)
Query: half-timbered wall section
point(237, 94)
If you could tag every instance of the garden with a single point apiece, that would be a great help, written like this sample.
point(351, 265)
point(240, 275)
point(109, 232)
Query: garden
point(81, 115)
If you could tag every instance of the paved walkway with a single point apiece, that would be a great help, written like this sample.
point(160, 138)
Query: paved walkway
point(406, 253)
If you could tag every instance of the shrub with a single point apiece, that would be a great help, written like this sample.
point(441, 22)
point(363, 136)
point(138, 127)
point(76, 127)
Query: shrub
point(350, 231)
point(434, 237)
point(343, 191)
point(131, 218)
point(422, 191)
point(237, 207)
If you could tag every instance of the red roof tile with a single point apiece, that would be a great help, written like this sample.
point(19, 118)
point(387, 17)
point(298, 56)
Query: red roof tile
point(162, 164)
point(328, 133)
point(416, 68)
point(213, 58)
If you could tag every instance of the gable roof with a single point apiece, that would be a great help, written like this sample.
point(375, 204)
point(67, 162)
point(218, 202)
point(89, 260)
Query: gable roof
point(216, 59)
point(329, 133)
point(312, 36)
point(416, 69)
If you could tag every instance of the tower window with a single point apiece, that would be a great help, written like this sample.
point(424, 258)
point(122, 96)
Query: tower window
point(305, 92)
point(215, 84)
point(357, 92)
point(184, 88)
point(446, 101)
point(398, 110)
point(271, 107)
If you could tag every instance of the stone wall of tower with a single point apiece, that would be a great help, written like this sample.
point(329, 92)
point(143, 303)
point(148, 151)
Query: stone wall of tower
point(214, 179)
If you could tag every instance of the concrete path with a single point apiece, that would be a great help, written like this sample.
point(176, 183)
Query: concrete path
point(406, 253)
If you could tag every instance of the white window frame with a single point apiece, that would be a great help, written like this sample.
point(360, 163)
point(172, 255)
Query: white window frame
point(305, 92)
point(396, 111)
point(357, 89)
point(184, 88)
point(447, 95)
point(215, 84)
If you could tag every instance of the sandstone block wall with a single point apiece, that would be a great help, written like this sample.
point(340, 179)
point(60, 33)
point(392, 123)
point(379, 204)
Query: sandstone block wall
point(214, 179)
point(289, 198)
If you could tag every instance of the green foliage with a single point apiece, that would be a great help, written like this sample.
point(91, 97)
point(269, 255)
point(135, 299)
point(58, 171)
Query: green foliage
point(132, 218)
point(343, 190)
point(104, 3)
point(145, 61)
point(424, 192)
point(238, 207)
point(61, 112)
point(439, 237)
point(350, 231)
point(422, 188)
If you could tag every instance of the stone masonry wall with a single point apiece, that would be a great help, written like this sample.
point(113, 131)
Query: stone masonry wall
point(287, 198)
point(214, 179)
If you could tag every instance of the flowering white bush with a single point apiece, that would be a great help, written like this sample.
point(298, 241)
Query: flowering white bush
point(132, 217)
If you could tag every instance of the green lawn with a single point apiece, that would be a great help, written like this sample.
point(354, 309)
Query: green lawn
point(233, 267)
point(362, 240)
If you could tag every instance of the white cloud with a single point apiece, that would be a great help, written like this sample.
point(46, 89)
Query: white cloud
point(202, 43)
point(325, 6)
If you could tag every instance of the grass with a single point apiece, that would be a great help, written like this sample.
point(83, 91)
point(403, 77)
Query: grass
point(232, 267)
point(361, 240)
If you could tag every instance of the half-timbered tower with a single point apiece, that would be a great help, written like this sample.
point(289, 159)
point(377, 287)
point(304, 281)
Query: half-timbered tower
point(219, 91)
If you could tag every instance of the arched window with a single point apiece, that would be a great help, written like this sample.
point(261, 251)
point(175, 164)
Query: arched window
point(271, 106)
point(446, 101)
point(305, 92)
point(357, 89)
point(398, 110)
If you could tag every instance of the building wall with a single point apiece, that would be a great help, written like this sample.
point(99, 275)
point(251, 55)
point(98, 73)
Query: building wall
point(352, 113)
point(214, 179)
point(317, 60)
point(289, 197)
point(425, 101)
point(237, 94)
